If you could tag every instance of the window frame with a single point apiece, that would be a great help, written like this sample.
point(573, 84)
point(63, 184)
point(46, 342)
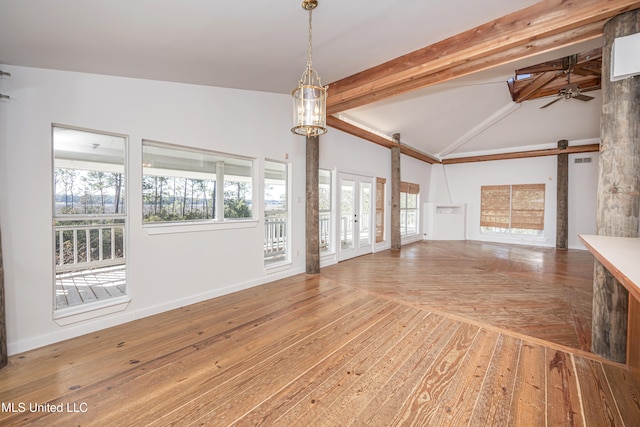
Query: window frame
point(330, 248)
point(92, 309)
point(286, 258)
point(408, 188)
point(185, 226)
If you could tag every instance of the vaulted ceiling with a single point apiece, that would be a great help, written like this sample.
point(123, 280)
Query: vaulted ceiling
point(447, 95)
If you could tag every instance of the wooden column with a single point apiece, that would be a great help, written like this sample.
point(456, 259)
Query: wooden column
point(618, 190)
point(562, 204)
point(396, 241)
point(3, 324)
point(312, 206)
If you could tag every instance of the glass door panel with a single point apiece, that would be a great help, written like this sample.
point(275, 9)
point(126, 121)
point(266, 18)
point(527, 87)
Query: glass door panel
point(364, 220)
point(347, 213)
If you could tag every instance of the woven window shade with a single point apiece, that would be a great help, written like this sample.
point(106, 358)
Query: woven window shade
point(407, 187)
point(527, 206)
point(495, 206)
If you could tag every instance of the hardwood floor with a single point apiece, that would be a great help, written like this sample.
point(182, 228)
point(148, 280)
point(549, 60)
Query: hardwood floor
point(343, 349)
point(539, 292)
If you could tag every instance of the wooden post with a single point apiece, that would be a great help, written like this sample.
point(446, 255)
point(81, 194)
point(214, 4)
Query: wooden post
point(3, 325)
point(562, 205)
point(618, 190)
point(396, 241)
point(312, 206)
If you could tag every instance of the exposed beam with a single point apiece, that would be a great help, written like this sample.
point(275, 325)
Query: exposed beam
point(354, 130)
point(545, 26)
point(412, 152)
point(588, 148)
point(532, 87)
point(481, 127)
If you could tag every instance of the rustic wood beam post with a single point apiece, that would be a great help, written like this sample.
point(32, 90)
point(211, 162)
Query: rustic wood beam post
point(312, 206)
point(396, 241)
point(3, 325)
point(562, 205)
point(618, 190)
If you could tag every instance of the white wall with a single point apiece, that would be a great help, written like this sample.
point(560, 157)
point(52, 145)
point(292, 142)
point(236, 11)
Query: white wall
point(583, 197)
point(460, 183)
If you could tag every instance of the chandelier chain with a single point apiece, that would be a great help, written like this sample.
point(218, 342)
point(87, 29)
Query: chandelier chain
point(309, 52)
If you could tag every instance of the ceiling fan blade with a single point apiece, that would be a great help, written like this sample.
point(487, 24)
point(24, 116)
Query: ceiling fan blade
point(552, 102)
point(581, 97)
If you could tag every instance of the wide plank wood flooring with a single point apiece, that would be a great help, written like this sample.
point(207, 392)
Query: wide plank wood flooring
point(536, 291)
point(336, 349)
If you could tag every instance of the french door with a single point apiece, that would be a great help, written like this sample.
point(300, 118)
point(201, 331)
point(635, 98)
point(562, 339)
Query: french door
point(356, 215)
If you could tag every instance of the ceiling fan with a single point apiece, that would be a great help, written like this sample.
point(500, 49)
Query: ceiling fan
point(571, 90)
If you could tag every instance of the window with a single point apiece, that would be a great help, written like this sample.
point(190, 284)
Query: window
point(380, 184)
point(189, 185)
point(513, 209)
point(89, 221)
point(409, 208)
point(276, 211)
point(324, 208)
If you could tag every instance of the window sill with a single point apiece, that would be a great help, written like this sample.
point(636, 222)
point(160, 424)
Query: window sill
point(190, 227)
point(277, 267)
point(79, 313)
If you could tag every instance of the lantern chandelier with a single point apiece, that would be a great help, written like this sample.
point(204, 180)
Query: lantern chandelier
point(310, 97)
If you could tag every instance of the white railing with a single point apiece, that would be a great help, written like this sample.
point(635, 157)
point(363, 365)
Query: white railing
point(80, 247)
point(275, 237)
point(346, 229)
point(325, 232)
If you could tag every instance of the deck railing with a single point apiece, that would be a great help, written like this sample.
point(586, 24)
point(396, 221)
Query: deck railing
point(325, 232)
point(86, 246)
point(275, 236)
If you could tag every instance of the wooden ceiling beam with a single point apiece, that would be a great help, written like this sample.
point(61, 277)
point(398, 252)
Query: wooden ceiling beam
point(532, 87)
point(376, 90)
point(545, 26)
point(354, 130)
point(412, 152)
point(589, 148)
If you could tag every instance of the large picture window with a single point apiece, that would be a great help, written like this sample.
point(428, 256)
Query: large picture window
point(324, 208)
point(514, 209)
point(188, 185)
point(276, 212)
point(409, 208)
point(89, 217)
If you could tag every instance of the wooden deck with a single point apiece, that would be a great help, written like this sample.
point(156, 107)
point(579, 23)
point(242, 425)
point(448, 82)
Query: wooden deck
point(79, 287)
point(343, 349)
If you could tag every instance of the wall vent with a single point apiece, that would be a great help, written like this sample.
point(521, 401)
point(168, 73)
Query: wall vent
point(582, 160)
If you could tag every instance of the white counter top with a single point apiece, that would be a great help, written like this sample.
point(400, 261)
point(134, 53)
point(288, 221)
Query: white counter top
point(619, 255)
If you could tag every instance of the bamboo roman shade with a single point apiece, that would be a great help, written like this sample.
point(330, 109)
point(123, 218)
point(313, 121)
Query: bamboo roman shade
point(527, 206)
point(495, 205)
point(512, 206)
point(408, 187)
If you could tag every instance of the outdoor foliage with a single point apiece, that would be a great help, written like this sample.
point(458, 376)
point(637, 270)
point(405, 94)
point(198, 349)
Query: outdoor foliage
point(168, 199)
point(81, 192)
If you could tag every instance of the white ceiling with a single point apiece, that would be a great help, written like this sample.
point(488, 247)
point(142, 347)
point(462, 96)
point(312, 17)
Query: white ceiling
point(261, 45)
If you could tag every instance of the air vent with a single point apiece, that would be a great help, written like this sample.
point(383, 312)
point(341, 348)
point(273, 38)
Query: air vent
point(582, 160)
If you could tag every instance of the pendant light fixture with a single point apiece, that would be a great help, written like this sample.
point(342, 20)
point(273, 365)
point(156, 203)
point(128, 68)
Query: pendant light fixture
point(310, 97)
